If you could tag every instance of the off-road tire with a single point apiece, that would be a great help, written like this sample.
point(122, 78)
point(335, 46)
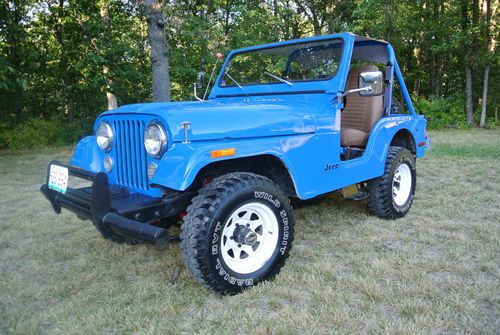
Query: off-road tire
point(207, 217)
point(381, 199)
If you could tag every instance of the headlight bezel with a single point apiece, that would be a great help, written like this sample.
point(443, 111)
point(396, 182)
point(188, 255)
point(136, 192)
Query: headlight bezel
point(110, 133)
point(163, 140)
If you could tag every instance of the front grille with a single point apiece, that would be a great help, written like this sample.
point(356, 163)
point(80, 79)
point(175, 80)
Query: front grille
point(131, 162)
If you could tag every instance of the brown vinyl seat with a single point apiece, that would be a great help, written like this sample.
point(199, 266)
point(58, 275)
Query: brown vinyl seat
point(360, 112)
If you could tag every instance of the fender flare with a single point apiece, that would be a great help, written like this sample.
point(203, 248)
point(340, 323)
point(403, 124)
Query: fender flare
point(385, 129)
point(180, 166)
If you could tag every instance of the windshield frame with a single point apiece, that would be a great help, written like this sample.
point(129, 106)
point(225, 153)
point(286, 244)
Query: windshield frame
point(342, 46)
point(331, 86)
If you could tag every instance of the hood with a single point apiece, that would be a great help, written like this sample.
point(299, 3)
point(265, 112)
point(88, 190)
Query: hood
point(212, 120)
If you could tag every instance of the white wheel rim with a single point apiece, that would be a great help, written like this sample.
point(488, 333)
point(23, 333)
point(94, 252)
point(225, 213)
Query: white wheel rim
point(401, 184)
point(259, 225)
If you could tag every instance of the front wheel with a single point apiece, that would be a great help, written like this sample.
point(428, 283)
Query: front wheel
point(237, 233)
point(391, 195)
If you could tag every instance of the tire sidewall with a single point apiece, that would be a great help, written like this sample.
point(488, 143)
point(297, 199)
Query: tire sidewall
point(404, 157)
point(278, 203)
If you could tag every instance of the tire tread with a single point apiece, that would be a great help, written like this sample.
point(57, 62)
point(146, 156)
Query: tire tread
point(197, 222)
point(380, 189)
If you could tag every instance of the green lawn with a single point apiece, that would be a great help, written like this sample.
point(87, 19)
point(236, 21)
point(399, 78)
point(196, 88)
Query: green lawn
point(436, 271)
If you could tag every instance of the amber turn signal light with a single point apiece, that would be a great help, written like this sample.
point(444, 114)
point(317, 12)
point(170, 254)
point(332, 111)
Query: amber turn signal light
point(223, 152)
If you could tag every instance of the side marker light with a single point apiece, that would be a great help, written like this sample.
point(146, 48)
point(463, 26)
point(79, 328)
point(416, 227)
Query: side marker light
point(223, 152)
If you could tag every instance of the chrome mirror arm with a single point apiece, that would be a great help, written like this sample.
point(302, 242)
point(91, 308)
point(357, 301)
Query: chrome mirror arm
point(195, 94)
point(367, 88)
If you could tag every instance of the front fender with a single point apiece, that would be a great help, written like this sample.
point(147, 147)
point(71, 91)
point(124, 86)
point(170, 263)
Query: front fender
point(180, 165)
point(87, 155)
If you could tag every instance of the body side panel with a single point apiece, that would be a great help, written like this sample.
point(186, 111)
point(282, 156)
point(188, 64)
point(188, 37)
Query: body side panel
point(179, 168)
point(334, 174)
point(312, 160)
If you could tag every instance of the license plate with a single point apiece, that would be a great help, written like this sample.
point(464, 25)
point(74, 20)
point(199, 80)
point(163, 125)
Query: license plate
point(428, 143)
point(58, 178)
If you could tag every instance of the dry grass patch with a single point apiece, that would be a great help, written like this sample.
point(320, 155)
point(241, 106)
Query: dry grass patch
point(436, 271)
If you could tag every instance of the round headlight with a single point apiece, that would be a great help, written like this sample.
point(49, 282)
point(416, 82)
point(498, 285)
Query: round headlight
point(155, 139)
point(105, 136)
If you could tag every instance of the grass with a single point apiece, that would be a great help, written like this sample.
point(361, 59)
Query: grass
point(436, 271)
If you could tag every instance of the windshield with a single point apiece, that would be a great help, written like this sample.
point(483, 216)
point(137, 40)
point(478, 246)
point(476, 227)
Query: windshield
point(318, 60)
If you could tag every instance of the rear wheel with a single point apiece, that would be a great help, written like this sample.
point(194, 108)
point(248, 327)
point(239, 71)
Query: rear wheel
point(237, 233)
point(391, 195)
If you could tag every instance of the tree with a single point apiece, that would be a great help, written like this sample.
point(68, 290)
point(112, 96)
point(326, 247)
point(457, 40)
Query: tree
point(64, 62)
point(436, 60)
point(110, 96)
point(489, 49)
point(159, 49)
point(468, 68)
point(315, 11)
point(387, 15)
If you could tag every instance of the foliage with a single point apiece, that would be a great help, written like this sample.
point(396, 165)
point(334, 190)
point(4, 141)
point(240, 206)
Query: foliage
point(447, 112)
point(443, 112)
point(38, 133)
point(59, 59)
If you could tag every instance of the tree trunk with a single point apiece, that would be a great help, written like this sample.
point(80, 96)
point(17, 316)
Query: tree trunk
point(63, 62)
point(387, 13)
point(417, 52)
point(276, 21)
point(110, 97)
point(437, 56)
point(313, 13)
point(227, 17)
point(208, 13)
point(482, 123)
point(317, 28)
point(474, 53)
point(468, 69)
point(468, 95)
point(159, 49)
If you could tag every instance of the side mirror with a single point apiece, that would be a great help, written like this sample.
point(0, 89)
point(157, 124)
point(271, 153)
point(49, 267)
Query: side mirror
point(372, 83)
point(198, 84)
point(200, 79)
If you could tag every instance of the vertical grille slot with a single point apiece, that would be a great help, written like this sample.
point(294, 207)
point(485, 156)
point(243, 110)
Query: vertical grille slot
point(131, 160)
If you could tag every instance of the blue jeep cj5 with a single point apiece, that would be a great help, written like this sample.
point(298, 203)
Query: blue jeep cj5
point(287, 120)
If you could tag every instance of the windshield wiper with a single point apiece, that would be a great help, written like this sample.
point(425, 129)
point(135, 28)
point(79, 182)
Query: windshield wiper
point(278, 78)
point(234, 80)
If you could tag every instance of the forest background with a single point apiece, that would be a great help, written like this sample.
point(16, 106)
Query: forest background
point(63, 62)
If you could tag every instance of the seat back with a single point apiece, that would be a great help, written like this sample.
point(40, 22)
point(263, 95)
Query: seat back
point(360, 112)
